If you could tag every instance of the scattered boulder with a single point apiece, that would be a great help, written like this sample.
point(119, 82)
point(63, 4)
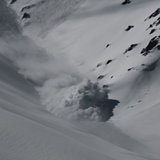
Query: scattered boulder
point(151, 45)
point(132, 46)
point(129, 28)
point(126, 2)
point(28, 7)
point(105, 86)
point(107, 45)
point(154, 14)
point(99, 64)
point(13, 1)
point(157, 21)
point(158, 47)
point(130, 69)
point(100, 77)
point(32, 5)
point(26, 15)
point(152, 31)
point(109, 61)
point(150, 26)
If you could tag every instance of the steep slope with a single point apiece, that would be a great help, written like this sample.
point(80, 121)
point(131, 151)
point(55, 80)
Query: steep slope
point(114, 43)
point(118, 45)
point(45, 14)
point(27, 130)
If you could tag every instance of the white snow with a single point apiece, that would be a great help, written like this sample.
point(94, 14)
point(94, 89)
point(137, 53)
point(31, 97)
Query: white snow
point(55, 53)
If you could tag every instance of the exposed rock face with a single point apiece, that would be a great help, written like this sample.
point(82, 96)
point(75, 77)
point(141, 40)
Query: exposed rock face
point(153, 44)
point(99, 64)
point(107, 45)
point(132, 46)
point(154, 25)
point(152, 31)
point(129, 27)
point(154, 14)
point(13, 1)
point(109, 61)
point(100, 77)
point(26, 15)
point(126, 2)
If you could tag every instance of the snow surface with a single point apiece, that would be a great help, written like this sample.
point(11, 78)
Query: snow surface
point(60, 58)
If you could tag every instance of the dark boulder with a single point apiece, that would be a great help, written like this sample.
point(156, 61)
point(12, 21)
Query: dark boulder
point(13, 1)
point(109, 61)
point(107, 45)
point(132, 46)
point(152, 31)
point(100, 77)
point(129, 28)
point(26, 15)
point(126, 2)
point(99, 64)
point(151, 45)
point(154, 14)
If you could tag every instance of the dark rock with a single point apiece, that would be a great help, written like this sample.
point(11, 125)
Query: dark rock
point(32, 5)
point(154, 41)
point(151, 45)
point(158, 47)
point(107, 45)
point(109, 61)
point(28, 7)
point(26, 15)
point(130, 69)
point(13, 1)
point(154, 14)
point(126, 2)
point(99, 64)
point(105, 86)
point(150, 26)
point(143, 51)
point(132, 46)
point(129, 28)
point(155, 23)
point(100, 77)
point(158, 21)
point(152, 31)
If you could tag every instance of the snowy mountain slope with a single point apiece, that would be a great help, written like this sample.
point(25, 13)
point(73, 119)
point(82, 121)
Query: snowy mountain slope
point(96, 40)
point(102, 41)
point(27, 130)
point(46, 14)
